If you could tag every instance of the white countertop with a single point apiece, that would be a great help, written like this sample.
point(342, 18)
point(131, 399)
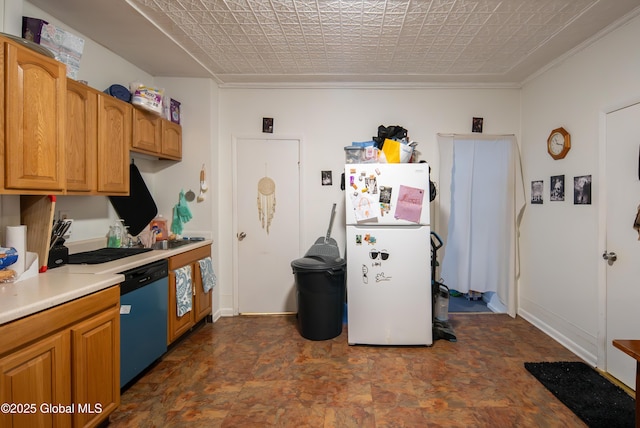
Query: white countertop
point(69, 282)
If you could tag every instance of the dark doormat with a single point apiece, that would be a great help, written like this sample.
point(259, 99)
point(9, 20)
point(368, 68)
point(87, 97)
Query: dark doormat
point(593, 398)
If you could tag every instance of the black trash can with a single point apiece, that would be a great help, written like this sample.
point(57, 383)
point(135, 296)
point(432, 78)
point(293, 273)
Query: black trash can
point(320, 291)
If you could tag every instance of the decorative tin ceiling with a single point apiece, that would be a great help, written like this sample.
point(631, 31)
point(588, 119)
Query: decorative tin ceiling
point(373, 40)
point(363, 38)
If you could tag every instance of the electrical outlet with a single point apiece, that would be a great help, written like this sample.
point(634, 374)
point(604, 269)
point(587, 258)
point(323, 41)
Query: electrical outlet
point(63, 215)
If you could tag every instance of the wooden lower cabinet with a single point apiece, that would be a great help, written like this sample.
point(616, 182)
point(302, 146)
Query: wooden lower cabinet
point(36, 376)
point(61, 367)
point(95, 367)
point(201, 302)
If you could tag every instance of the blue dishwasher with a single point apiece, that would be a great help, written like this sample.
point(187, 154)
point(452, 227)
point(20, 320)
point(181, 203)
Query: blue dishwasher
point(144, 298)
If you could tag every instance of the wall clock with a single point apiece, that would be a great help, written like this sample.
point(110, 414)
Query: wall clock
point(558, 143)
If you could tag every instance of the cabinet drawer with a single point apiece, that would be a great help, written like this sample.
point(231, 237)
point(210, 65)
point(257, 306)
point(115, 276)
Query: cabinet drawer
point(185, 258)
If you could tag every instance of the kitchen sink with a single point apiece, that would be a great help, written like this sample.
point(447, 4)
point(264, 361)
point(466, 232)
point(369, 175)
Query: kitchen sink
point(168, 245)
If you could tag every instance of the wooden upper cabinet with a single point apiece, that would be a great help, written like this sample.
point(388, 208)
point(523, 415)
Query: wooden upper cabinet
point(82, 136)
point(146, 131)
point(156, 136)
point(114, 139)
point(34, 90)
point(95, 165)
point(171, 140)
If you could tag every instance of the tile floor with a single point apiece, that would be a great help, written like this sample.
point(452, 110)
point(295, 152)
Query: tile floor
point(259, 372)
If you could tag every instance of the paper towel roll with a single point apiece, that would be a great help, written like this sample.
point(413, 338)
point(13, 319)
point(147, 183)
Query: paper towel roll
point(16, 237)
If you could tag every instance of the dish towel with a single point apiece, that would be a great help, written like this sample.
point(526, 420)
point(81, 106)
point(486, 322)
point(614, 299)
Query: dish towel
point(183, 290)
point(208, 275)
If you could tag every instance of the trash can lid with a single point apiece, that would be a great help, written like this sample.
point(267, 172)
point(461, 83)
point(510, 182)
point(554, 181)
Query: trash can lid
point(323, 250)
point(318, 263)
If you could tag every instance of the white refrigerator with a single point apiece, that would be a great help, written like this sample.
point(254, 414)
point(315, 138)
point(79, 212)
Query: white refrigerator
point(388, 252)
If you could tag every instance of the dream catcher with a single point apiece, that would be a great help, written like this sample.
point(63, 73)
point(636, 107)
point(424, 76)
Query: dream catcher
point(266, 201)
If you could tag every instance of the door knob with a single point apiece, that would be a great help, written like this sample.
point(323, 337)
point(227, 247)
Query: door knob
point(241, 236)
point(610, 257)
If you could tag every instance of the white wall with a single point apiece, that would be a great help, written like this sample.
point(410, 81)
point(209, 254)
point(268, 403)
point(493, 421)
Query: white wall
point(327, 119)
point(561, 242)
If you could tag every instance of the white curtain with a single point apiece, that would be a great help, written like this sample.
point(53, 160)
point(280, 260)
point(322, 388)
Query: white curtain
point(481, 203)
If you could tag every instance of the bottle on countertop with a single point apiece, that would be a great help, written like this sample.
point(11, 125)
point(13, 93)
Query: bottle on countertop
point(114, 238)
point(159, 227)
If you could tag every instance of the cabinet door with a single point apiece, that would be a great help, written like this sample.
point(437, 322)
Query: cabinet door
point(81, 138)
point(146, 131)
point(171, 140)
point(114, 140)
point(177, 325)
point(37, 374)
point(95, 345)
point(34, 121)
point(202, 300)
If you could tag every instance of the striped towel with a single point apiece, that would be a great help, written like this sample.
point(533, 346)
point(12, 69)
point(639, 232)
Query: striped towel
point(208, 276)
point(183, 290)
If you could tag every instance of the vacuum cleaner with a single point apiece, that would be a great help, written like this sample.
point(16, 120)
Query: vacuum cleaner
point(440, 297)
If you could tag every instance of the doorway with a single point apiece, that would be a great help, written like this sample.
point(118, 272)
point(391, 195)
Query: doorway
point(622, 203)
point(266, 199)
point(479, 217)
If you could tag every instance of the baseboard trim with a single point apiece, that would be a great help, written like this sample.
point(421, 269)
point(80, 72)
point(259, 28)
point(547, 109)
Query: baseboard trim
point(565, 341)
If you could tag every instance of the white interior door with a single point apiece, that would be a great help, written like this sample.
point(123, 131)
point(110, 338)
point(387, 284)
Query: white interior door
point(267, 224)
point(623, 199)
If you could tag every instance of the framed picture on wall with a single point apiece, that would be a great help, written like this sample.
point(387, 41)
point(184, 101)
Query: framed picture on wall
point(557, 188)
point(582, 190)
point(476, 125)
point(267, 125)
point(537, 188)
point(327, 179)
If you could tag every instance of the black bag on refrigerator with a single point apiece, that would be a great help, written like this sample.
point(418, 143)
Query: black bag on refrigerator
point(395, 132)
